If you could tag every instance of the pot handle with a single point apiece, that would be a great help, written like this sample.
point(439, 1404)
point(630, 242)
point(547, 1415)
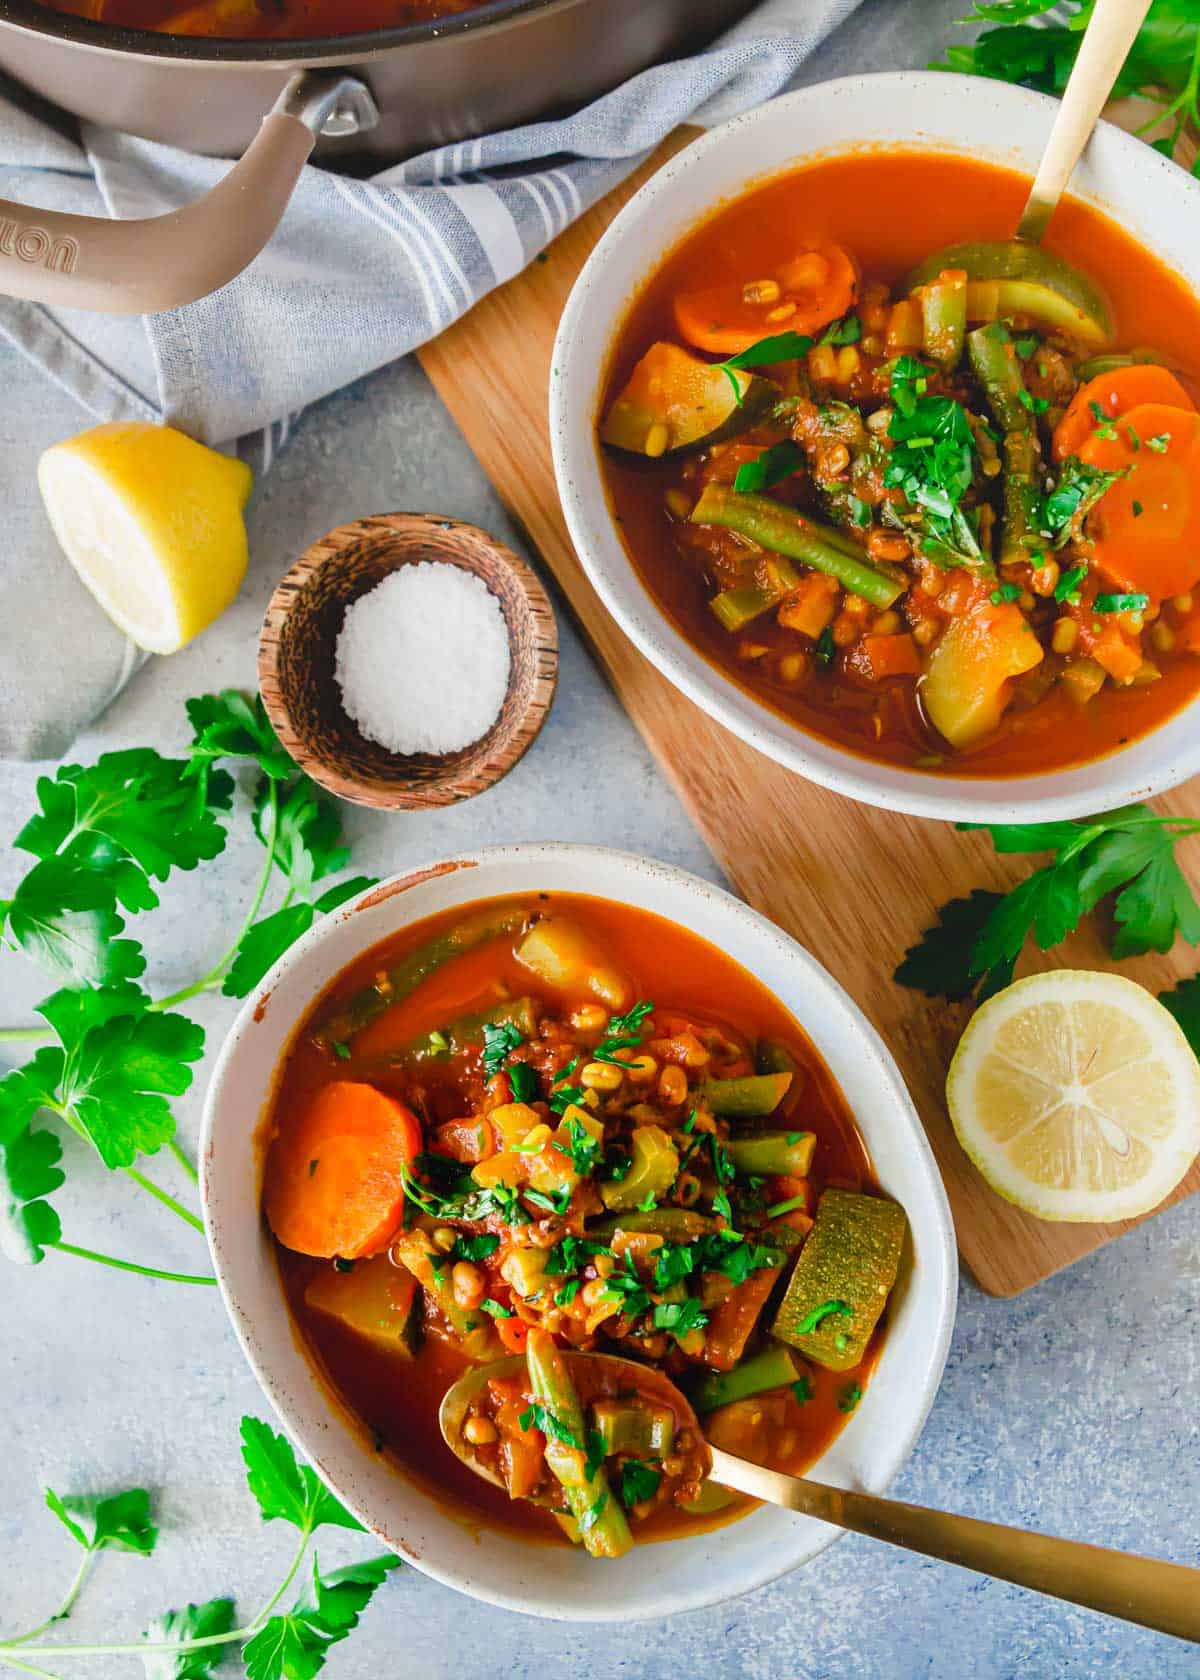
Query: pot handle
point(160, 262)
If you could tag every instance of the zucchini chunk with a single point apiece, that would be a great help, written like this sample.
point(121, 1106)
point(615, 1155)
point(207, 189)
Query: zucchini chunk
point(1011, 277)
point(375, 1300)
point(840, 1283)
point(968, 680)
point(674, 402)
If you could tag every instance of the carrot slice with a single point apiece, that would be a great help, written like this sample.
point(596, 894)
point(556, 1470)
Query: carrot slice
point(1115, 393)
point(821, 281)
point(513, 1332)
point(335, 1181)
point(1146, 528)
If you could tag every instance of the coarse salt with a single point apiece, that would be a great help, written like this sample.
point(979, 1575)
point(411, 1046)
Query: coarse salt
point(423, 660)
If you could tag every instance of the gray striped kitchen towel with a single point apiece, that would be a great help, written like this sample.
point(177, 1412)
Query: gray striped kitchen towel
point(358, 273)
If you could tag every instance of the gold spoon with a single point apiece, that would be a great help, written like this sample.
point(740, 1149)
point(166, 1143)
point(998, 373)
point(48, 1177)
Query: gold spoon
point(1109, 35)
point(1160, 1595)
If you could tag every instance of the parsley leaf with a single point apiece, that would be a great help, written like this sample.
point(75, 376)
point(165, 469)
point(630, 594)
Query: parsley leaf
point(284, 1489)
point(499, 1037)
point(1077, 492)
point(1130, 852)
point(120, 1521)
point(848, 330)
point(1183, 1001)
point(294, 1646)
point(639, 1482)
point(933, 461)
point(230, 725)
point(778, 462)
point(818, 1315)
point(1108, 603)
point(477, 1247)
point(538, 1416)
point(179, 1627)
point(680, 1317)
point(523, 1081)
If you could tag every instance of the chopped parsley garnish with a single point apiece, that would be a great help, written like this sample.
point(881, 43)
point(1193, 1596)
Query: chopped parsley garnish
point(1025, 346)
point(786, 1207)
point(1120, 603)
point(639, 1482)
point(860, 511)
point(1005, 592)
point(779, 347)
point(341, 1050)
point(475, 1247)
point(846, 331)
point(721, 1205)
point(1035, 405)
point(1067, 587)
point(595, 1453)
point(523, 1080)
point(680, 1317)
point(569, 1253)
point(1079, 488)
point(1159, 444)
point(722, 1165)
point(673, 1262)
point(495, 1310)
point(648, 1204)
point(537, 1416)
point(558, 1203)
point(564, 1296)
point(340, 1265)
point(849, 1397)
point(633, 1021)
point(818, 1315)
point(581, 1147)
point(594, 1512)
point(826, 646)
point(627, 1289)
point(690, 1123)
point(1138, 509)
point(933, 461)
point(499, 1037)
point(802, 1390)
point(438, 1042)
point(615, 1166)
point(778, 462)
point(569, 1096)
point(1104, 427)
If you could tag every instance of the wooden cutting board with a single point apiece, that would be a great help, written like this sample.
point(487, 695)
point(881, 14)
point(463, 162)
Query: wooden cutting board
point(854, 885)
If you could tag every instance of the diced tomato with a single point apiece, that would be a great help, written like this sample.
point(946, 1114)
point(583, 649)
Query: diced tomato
point(877, 657)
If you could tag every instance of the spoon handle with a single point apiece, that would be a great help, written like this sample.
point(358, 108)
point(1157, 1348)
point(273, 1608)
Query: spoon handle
point(1160, 1595)
point(1105, 46)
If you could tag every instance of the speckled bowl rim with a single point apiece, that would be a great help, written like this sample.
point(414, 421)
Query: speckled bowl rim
point(1121, 176)
point(696, 1572)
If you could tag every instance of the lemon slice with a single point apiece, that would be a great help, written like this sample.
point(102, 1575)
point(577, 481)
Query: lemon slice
point(1077, 1096)
point(152, 522)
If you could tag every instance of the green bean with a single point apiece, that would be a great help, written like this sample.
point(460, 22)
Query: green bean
point(398, 982)
point(673, 1224)
point(633, 1426)
point(752, 1093)
point(775, 1367)
point(735, 608)
point(454, 1039)
point(779, 1154)
point(784, 531)
point(1096, 365)
point(772, 1057)
point(944, 317)
point(601, 1520)
point(999, 372)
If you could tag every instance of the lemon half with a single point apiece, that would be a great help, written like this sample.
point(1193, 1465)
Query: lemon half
point(1077, 1096)
point(152, 522)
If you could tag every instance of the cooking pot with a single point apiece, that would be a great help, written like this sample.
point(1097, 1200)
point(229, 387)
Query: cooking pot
point(389, 93)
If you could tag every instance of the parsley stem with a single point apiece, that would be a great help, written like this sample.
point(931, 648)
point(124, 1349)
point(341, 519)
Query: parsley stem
point(129, 1266)
point(26, 1667)
point(184, 1159)
point(24, 1035)
point(167, 1200)
point(64, 1608)
point(260, 1617)
point(216, 973)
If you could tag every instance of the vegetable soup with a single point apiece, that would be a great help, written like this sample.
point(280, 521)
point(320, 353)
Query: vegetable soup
point(552, 1125)
point(929, 492)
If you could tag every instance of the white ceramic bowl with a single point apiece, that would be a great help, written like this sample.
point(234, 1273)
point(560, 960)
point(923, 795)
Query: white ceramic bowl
point(656, 1580)
point(1150, 197)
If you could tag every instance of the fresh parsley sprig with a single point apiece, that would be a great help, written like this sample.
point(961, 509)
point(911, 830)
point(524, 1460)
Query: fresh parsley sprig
point(1163, 64)
point(187, 1644)
point(104, 839)
point(1129, 853)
